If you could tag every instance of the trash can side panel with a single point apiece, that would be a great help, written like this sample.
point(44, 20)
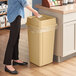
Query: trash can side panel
point(48, 43)
point(35, 47)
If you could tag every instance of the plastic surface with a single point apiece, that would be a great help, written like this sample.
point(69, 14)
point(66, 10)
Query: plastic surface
point(41, 33)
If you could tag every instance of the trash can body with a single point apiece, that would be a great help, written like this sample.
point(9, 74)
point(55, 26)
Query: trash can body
point(41, 40)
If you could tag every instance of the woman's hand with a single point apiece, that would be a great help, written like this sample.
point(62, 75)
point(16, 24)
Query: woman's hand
point(34, 11)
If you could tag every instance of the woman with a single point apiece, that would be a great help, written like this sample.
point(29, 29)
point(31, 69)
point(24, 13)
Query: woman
point(14, 14)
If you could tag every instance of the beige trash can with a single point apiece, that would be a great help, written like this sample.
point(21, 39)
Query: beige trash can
point(41, 33)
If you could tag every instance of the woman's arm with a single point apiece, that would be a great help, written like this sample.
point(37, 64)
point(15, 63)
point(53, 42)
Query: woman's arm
point(26, 4)
point(33, 10)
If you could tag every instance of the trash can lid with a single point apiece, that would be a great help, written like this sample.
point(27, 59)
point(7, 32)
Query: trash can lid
point(43, 21)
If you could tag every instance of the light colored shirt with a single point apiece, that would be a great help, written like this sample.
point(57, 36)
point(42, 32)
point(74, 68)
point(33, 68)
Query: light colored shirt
point(15, 8)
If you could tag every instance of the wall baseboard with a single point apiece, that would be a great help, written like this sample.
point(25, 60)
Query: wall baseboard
point(61, 59)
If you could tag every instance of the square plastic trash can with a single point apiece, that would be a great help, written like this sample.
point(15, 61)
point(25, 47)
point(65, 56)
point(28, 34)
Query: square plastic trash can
point(41, 33)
